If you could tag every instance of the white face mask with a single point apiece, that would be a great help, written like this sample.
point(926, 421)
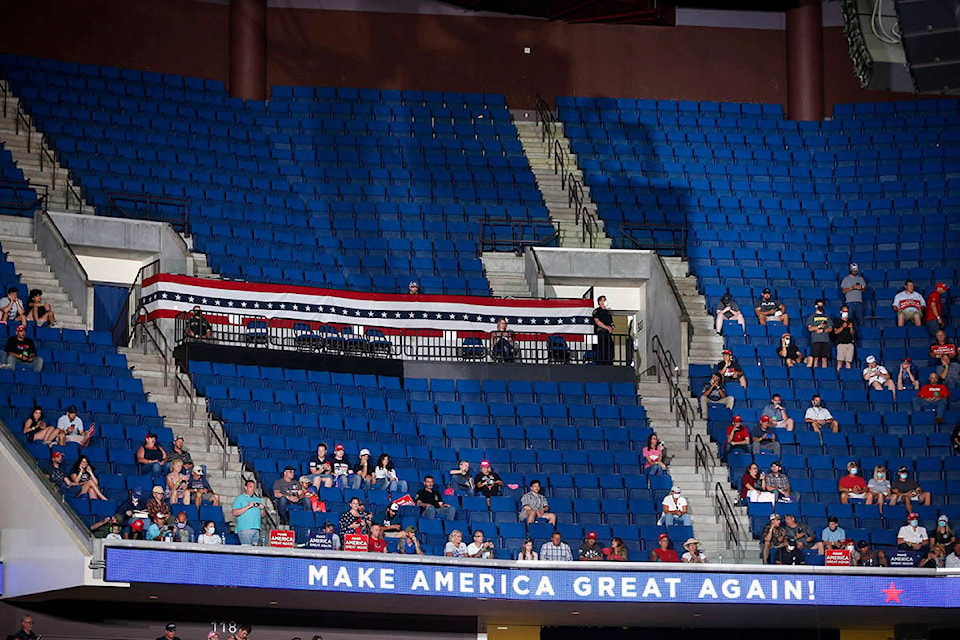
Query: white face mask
point(903, 476)
point(854, 471)
point(850, 547)
point(844, 314)
point(914, 523)
point(786, 341)
point(210, 531)
point(791, 547)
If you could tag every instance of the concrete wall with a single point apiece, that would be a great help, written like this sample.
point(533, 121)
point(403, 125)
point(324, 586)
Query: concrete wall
point(65, 265)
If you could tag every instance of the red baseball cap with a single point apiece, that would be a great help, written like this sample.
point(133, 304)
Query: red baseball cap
point(485, 463)
point(737, 419)
point(764, 418)
point(339, 447)
point(727, 352)
point(943, 285)
point(592, 534)
point(662, 536)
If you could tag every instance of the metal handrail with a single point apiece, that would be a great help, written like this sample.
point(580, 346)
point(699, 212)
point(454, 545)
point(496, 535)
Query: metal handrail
point(124, 339)
point(679, 403)
point(653, 244)
point(727, 514)
point(546, 120)
point(181, 223)
point(514, 243)
point(23, 118)
point(560, 163)
point(703, 459)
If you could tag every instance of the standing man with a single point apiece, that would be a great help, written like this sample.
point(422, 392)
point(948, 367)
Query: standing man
point(820, 326)
point(248, 510)
point(933, 317)
point(843, 331)
point(603, 329)
point(198, 327)
point(853, 285)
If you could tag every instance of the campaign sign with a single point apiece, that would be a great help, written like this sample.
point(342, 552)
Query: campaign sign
point(354, 542)
point(404, 500)
point(632, 583)
point(282, 538)
point(836, 558)
point(903, 558)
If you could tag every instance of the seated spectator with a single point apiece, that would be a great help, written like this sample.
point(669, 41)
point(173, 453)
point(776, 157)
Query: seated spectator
point(932, 396)
point(653, 456)
point(526, 551)
point(877, 377)
point(799, 532)
point(385, 476)
point(879, 486)
point(321, 469)
point(616, 552)
point(853, 487)
point(770, 309)
point(693, 554)
point(200, 489)
point(182, 531)
point(844, 330)
point(556, 550)
point(488, 482)
point(355, 520)
point(71, 426)
point(934, 314)
point(772, 538)
point(177, 483)
point(158, 530)
point(326, 539)
point(106, 529)
point(362, 476)
point(208, 534)
point(11, 308)
point(389, 521)
point(39, 311)
point(818, 416)
point(789, 352)
point(157, 505)
point(198, 327)
point(949, 372)
point(376, 543)
point(503, 346)
point(132, 514)
point(943, 536)
point(738, 436)
point(36, 429)
point(480, 548)
point(150, 457)
point(674, 509)
point(431, 504)
point(832, 537)
point(663, 552)
point(778, 482)
point(714, 391)
point(534, 506)
point(179, 453)
point(941, 346)
point(455, 548)
point(764, 438)
point(59, 476)
point(790, 553)
point(461, 480)
point(590, 551)
point(955, 439)
point(864, 556)
point(907, 375)
point(820, 326)
point(83, 474)
point(907, 489)
point(913, 537)
point(410, 544)
point(21, 350)
point(751, 486)
point(288, 494)
point(778, 414)
point(909, 305)
point(952, 561)
point(933, 560)
point(340, 467)
point(728, 309)
point(414, 288)
point(730, 370)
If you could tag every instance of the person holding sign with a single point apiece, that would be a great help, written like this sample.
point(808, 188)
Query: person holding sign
point(354, 521)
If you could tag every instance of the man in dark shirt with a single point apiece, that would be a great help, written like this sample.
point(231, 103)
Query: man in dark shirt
point(907, 489)
point(26, 630)
point(769, 308)
point(764, 437)
point(389, 521)
point(843, 332)
point(169, 632)
point(21, 350)
point(730, 370)
point(590, 550)
point(603, 329)
point(714, 391)
point(288, 494)
point(198, 327)
point(790, 554)
point(431, 504)
point(488, 481)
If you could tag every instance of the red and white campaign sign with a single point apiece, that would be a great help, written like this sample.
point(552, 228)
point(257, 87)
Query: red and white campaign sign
point(836, 558)
point(282, 538)
point(354, 542)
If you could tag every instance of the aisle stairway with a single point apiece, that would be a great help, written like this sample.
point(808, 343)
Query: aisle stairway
point(16, 237)
point(24, 144)
point(554, 194)
point(506, 274)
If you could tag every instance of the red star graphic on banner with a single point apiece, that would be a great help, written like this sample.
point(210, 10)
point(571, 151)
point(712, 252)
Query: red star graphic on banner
point(892, 593)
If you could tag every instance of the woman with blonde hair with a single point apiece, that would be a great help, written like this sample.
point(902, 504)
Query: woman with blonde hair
point(879, 486)
point(177, 483)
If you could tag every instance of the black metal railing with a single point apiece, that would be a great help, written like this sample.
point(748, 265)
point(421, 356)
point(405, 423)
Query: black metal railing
point(170, 209)
point(727, 515)
point(40, 202)
point(546, 120)
point(508, 234)
point(704, 461)
point(669, 239)
point(259, 332)
point(680, 404)
point(121, 330)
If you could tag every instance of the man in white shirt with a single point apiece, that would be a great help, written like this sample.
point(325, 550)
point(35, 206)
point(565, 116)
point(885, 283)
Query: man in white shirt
point(877, 376)
point(675, 509)
point(71, 425)
point(909, 305)
point(952, 561)
point(818, 416)
point(913, 537)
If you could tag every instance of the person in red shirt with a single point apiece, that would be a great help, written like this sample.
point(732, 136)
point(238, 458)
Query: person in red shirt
point(738, 436)
point(933, 395)
point(933, 316)
point(663, 553)
point(376, 543)
point(853, 486)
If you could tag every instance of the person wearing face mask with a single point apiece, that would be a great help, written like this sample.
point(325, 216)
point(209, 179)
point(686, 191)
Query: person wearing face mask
point(209, 535)
point(819, 417)
point(789, 352)
point(820, 325)
point(906, 489)
point(674, 508)
point(853, 487)
point(790, 553)
point(913, 537)
point(879, 486)
point(943, 536)
point(603, 328)
point(843, 333)
point(198, 327)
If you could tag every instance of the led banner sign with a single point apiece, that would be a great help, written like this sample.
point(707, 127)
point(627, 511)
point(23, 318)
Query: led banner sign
point(527, 581)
